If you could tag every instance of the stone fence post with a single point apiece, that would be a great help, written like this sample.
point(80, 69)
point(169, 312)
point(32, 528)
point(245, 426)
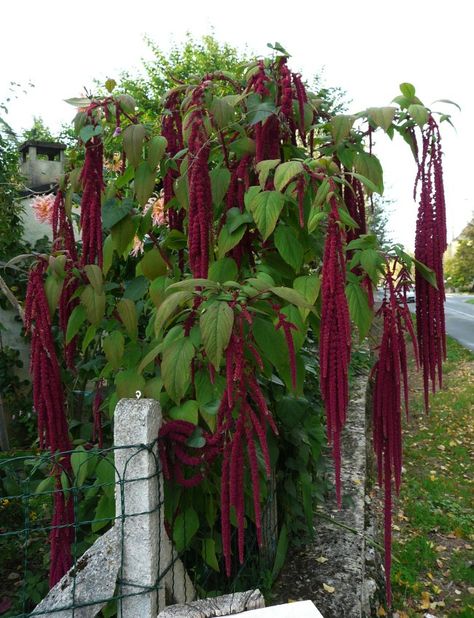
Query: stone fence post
point(139, 512)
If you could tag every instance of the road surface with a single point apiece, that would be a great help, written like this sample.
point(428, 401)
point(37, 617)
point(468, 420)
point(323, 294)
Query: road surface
point(460, 319)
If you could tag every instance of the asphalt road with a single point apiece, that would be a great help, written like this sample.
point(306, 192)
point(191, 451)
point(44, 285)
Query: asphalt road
point(460, 319)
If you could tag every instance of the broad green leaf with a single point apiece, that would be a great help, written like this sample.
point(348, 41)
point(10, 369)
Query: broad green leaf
point(168, 307)
point(176, 367)
point(216, 323)
point(181, 190)
point(382, 116)
point(46, 486)
point(263, 168)
point(133, 138)
point(235, 218)
point(185, 527)
point(223, 270)
point(192, 284)
point(153, 388)
point(220, 179)
point(359, 308)
point(315, 217)
point(113, 346)
point(156, 149)
point(188, 411)
point(285, 172)
point(128, 315)
point(76, 320)
point(113, 211)
point(153, 265)
point(94, 304)
point(149, 357)
point(426, 273)
point(366, 182)
point(110, 84)
point(408, 90)
point(281, 551)
point(250, 195)
point(222, 112)
point(208, 553)
point(242, 146)
point(308, 286)
point(157, 290)
point(128, 382)
point(341, 126)
point(78, 101)
point(289, 247)
point(260, 112)
point(366, 241)
point(79, 459)
point(122, 234)
point(94, 274)
point(371, 261)
point(144, 182)
point(345, 217)
point(291, 296)
point(448, 101)
point(53, 288)
point(136, 288)
point(88, 337)
point(419, 113)
point(105, 475)
point(127, 103)
point(228, 240)
point(266, 208)
point(369, 166)
point(104, 512)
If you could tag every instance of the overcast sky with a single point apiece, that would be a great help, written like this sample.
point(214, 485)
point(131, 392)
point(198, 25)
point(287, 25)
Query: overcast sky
point(367, 47)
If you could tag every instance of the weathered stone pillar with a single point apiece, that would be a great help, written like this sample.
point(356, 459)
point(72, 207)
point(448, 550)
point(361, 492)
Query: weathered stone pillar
point(138, 498)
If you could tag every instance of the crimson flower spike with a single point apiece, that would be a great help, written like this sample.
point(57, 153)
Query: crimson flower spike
point(334, 339)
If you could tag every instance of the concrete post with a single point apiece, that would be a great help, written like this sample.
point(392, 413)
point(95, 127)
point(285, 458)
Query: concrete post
point(136, 422)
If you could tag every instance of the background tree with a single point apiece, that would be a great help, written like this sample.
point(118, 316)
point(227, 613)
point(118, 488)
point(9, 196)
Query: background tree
point(460, 268)
point(377, 220)
point(38, 132)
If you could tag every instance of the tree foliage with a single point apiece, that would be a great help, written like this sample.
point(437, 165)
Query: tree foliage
point(459, 269)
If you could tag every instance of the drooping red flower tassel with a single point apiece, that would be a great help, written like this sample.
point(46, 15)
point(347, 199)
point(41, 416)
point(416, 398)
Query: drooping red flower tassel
point(390, 371)
point(91, 218)
point(172, 130)
point(200, 199)
point(430, 245)
point(63, 240)
point(48, 400)
point(335, 340)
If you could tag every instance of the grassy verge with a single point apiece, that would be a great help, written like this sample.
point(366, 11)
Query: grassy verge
point(470, 301)
point(434, 517)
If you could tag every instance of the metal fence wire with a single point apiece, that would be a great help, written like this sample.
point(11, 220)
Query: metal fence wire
point(119, 522)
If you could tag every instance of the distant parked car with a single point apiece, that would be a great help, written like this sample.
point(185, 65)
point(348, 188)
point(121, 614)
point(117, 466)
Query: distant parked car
point(411, 296)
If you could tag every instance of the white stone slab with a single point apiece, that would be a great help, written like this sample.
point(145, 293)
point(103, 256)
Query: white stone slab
point(300, 609)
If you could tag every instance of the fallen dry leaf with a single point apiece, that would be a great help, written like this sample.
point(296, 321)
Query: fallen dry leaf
point(328, 588)
point(381, 611)
point(425, 600)
point(321, 559)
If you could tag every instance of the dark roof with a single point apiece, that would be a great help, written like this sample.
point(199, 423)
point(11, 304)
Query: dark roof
point(42, 145)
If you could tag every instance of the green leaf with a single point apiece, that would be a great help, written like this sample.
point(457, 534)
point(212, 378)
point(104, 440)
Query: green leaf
point(127, 103)
point(266, 208)
point(359, 308)
point(133, 138)
point(371, 261)
point(369, 166)
point(192, 284)
point(78, 101)
point(250, 195)
point(144, 182)
point(216, 323)
point(286, 172)
point(176, 367)
point(79, 459)
point(185, 527)
point(157, 290)
point(104, 512)
point(408, 90)
point(366, 182)
point(76, 320)
point(382, 116)
point(281, 551)
point(168, 307)
point(88, 337)
point(345, 217)
point(242, 146)
point(156, 149)
point(105, 475)
point(136, 288)
point(113, 211)
point(223, 270)
point(235, 218)
point(308, 286)
point(448, 101)
point(289, 247)
point(122, 234)
point(113, 346)
point(108, 253)
point(188, 411)
point(94, 274)
point(94, 304)
point(220, 179)
point(427, 274)
point(46, 486)
point(341, 126)
point(222, 112)
point(181, 190)
point(153, 388)
point(263, 168)
point(128, 315)
point(419, 113)
point(53, 288)
point(208, 553)
point(153, 265)
point(260, 112)
point(149, 357)
point(291, 296)
point(228, 240)
point(128, 382)
point(110, 84)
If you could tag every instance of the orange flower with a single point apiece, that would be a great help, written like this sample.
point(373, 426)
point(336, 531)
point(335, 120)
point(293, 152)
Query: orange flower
point(157, 204)
point(137, 247)
point(42, 206)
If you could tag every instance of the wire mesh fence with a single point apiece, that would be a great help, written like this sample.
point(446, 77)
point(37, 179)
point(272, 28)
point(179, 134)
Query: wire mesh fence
point(129, 550)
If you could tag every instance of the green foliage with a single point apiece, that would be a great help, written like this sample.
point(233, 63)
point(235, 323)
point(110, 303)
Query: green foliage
point(459, 269)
